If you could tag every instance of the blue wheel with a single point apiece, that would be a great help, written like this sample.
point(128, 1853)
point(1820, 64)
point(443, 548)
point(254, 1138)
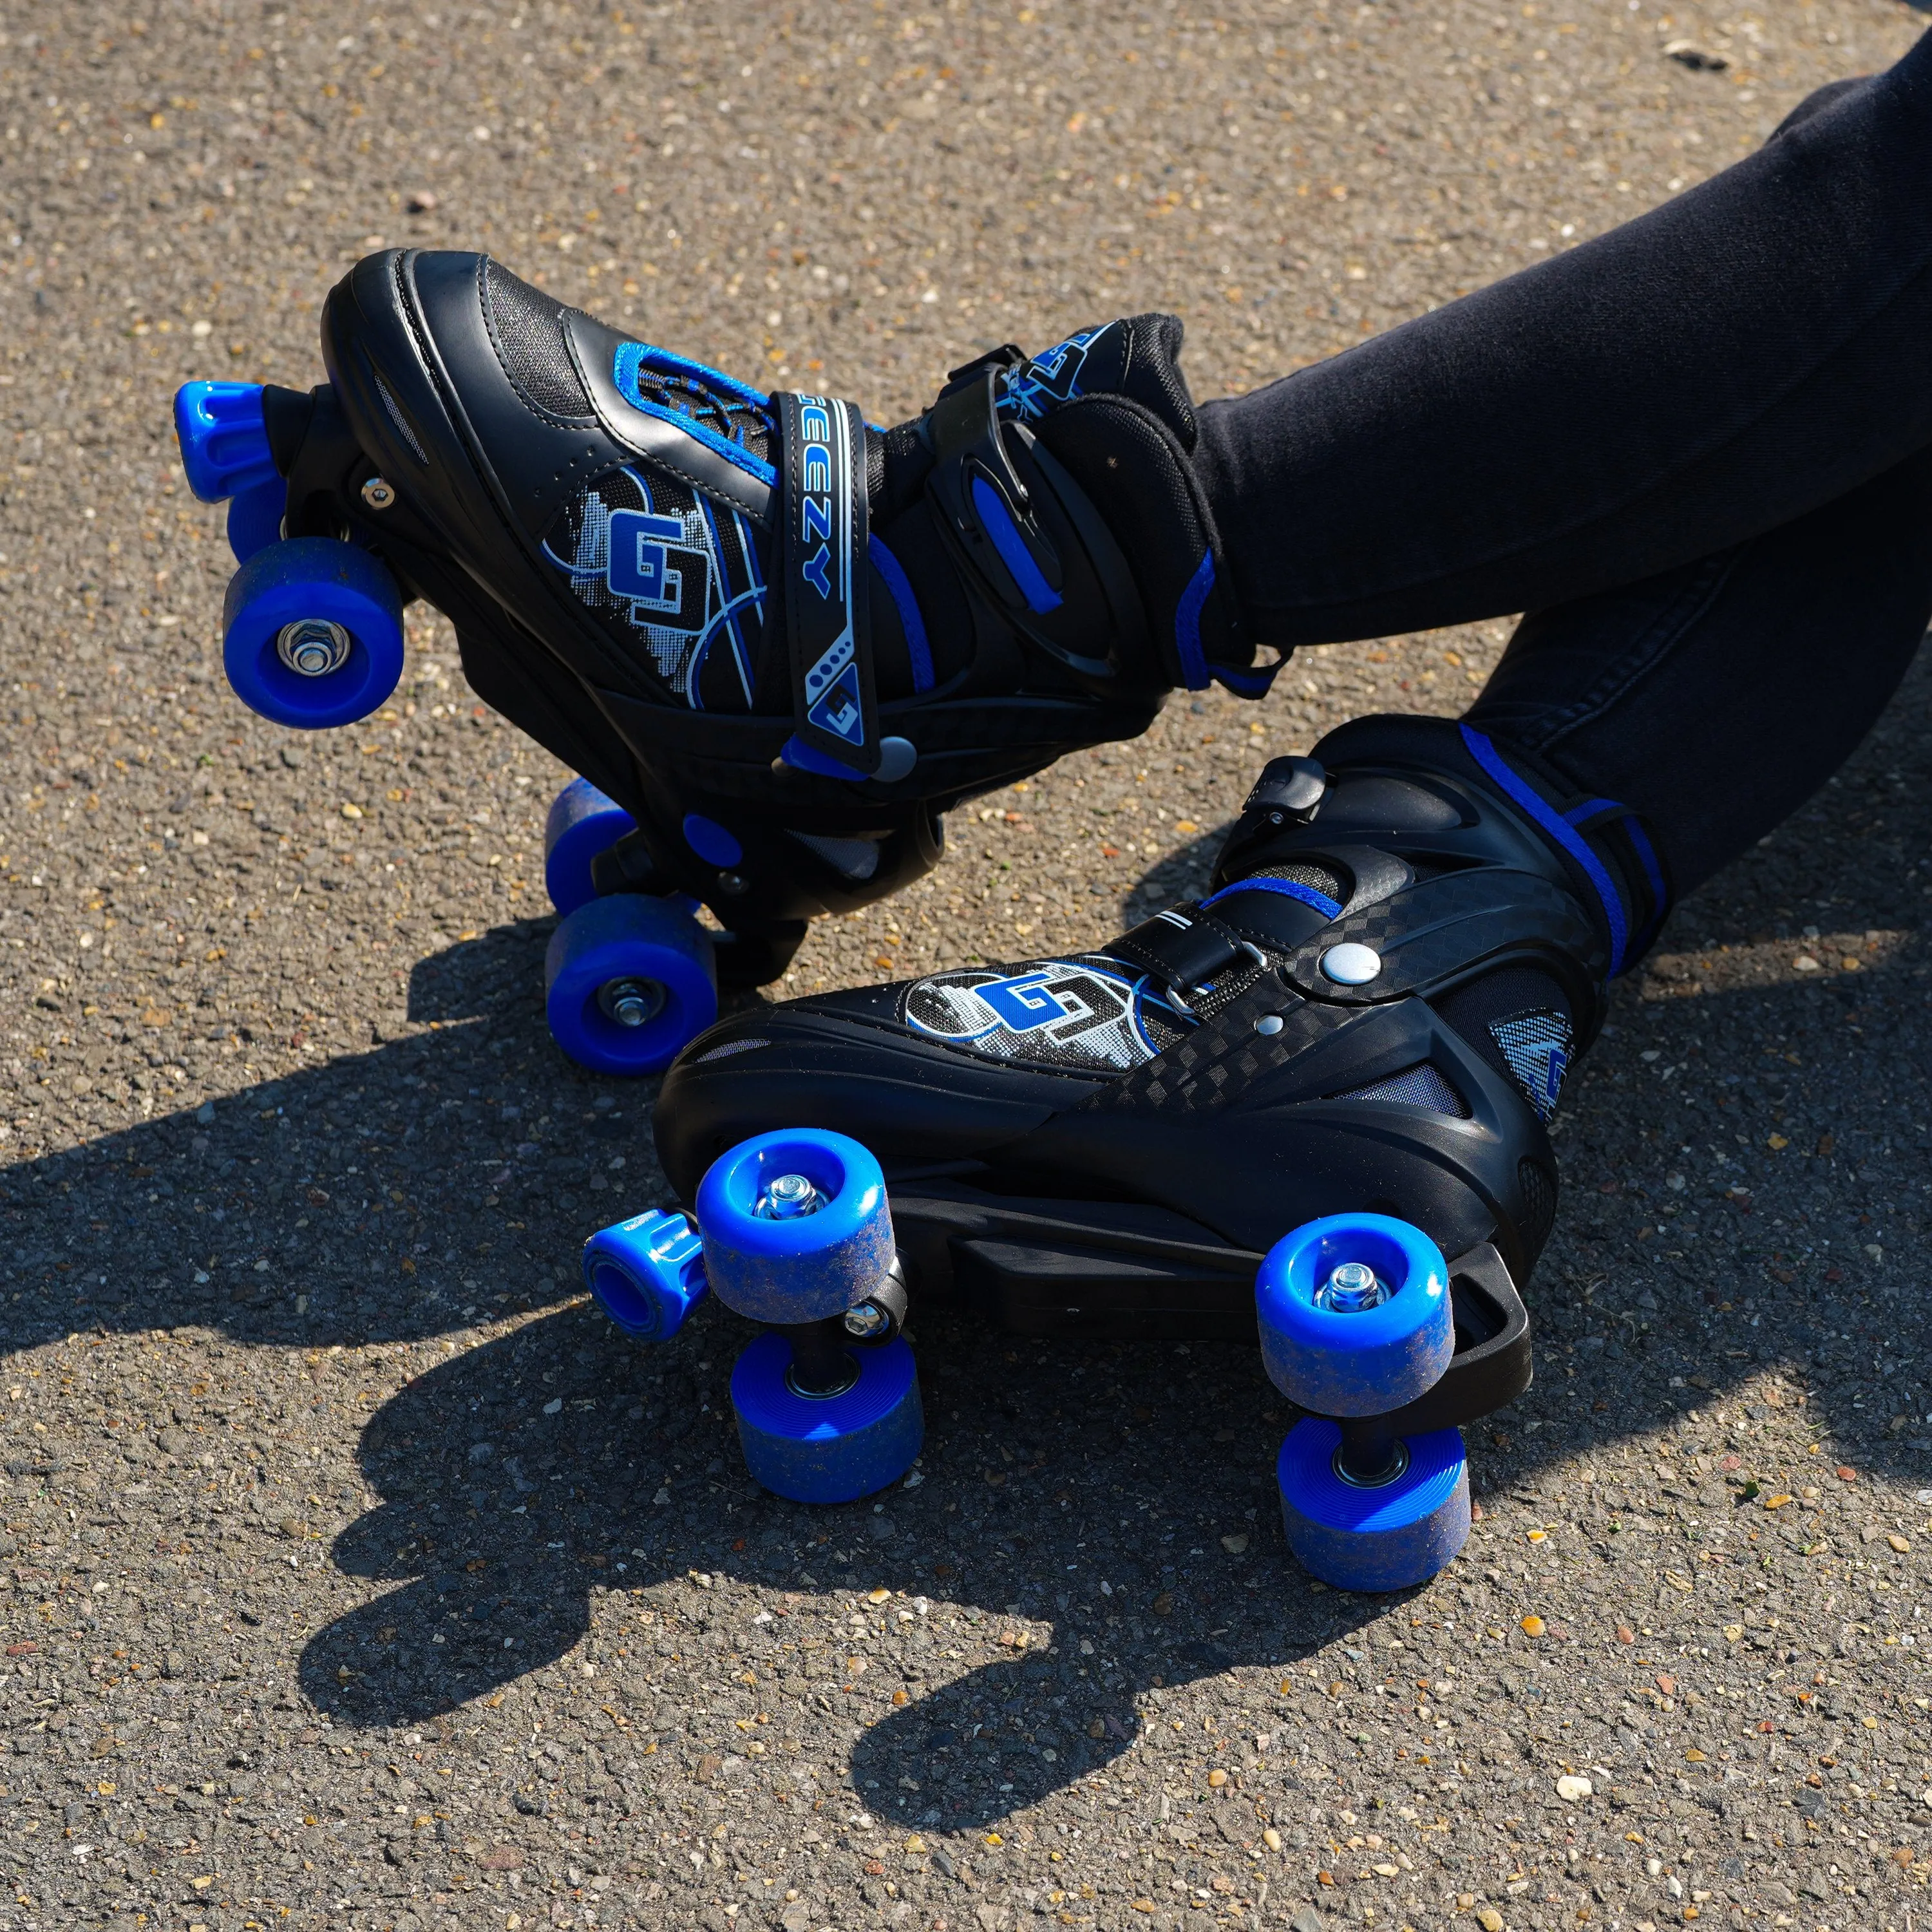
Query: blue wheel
point(628, 980)
point(647, 1273)
point(1354, 1315)
point(255, 518)
point(827, 1449)
point(312, 633)
point(1383, 1537)
point(582, 822)
point(796, 1225)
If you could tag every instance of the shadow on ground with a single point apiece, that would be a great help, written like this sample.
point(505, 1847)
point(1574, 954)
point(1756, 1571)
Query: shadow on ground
point(400, 1191)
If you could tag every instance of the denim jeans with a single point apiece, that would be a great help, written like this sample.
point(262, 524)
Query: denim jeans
point(1697, 450)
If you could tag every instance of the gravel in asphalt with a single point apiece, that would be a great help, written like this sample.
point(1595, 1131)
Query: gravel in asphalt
point(356, 1574)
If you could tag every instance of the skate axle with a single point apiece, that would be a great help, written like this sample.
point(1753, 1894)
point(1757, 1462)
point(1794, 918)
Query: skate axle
point(789, 1198)
point(821, 1363)
point(631, 1002)
point(313, 647)
point(1370, 1454)
point(1351, 1289)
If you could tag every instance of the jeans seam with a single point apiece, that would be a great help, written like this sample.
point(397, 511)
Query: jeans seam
point(1660, 638)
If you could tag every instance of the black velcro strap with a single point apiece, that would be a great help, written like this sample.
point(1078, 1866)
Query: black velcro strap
point(823, 557)
point(1195, 960)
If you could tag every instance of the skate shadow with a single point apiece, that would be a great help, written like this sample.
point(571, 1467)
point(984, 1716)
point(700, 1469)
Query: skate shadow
point(517, 1476)
point(493, 977)
point(385, 1195)
point(522, 1477)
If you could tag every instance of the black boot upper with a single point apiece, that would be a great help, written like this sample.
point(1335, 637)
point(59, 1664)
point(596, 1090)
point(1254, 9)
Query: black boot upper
point(1374, 1008)
point(623, 540)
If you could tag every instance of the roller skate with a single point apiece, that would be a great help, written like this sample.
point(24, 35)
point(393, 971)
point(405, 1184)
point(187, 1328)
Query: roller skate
point(1313, 1106)
point(777, 643)
point(796, 1234)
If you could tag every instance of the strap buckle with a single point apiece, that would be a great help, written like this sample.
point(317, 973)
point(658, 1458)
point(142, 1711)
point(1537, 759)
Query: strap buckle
point(1197, 963)
point(983, 499)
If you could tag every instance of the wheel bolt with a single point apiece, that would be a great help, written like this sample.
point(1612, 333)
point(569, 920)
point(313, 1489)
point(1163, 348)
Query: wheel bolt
point(1350, 1289)
point(312, 647)
point(790, 1198)
point(866, 1320)
point(631, 1002)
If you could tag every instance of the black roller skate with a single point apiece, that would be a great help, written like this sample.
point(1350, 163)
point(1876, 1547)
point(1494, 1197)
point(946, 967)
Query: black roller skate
point(1318, 1097)
point(778, 643)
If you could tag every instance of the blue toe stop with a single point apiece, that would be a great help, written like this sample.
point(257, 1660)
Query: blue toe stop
point(647, 1273)
point(224, 439)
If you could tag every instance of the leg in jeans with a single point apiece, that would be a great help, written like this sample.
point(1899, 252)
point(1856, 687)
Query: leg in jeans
point(1714, 369)
point(1715, 698)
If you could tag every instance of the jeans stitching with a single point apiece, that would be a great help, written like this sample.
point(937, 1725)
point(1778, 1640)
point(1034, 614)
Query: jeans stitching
point(1659, 640)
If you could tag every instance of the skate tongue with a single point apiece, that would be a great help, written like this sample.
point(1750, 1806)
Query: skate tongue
point(1138, 357)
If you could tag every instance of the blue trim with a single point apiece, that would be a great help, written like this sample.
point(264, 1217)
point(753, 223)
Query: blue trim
point(997, 521)
point(1288, 888)
point(907, 604)
point(632, 356)
point(803, 757)
point(1591, 808)
point(1564, 834)
point(1652, 870)
point(1194, 672)
point(1246, 683)
point(732, 623)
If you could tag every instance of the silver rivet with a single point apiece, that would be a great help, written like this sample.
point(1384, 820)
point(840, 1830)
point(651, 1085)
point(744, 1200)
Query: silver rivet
point(1270, 1024)
point(1351, 964)
point(378, 494)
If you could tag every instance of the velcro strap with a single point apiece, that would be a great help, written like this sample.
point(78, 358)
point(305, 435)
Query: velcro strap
point(824, 558)
point(984, 501)
point(1194, 959)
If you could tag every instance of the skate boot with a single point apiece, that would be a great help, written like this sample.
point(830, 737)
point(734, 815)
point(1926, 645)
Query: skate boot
point(778, 643)
point(1317, 1099)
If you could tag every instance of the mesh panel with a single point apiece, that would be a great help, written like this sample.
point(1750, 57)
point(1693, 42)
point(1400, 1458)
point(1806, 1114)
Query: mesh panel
point(529, 327)
point(730, 1047)
point(1322, 879)
point(687, 392)
point(1421, 1085)
point(1539, 1203)
point(403, 430)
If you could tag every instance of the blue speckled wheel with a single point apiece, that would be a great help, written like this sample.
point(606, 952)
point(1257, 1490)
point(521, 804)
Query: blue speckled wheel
point(255, 519)
point(827, 1449)
point(583, 822)
point(1338, 1360)
point(627, 981)
point(796, 1225)
point(312, 633)
point(1387, 1537)
point(647, 1273)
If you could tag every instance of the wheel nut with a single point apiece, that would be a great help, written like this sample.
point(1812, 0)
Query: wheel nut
point(867, 1320)
point(790, 1198)
point(631, 1002)
point(312, 647)
point(1350, 1289)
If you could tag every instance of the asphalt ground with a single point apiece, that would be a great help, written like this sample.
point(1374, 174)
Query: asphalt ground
point(357, 1575)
